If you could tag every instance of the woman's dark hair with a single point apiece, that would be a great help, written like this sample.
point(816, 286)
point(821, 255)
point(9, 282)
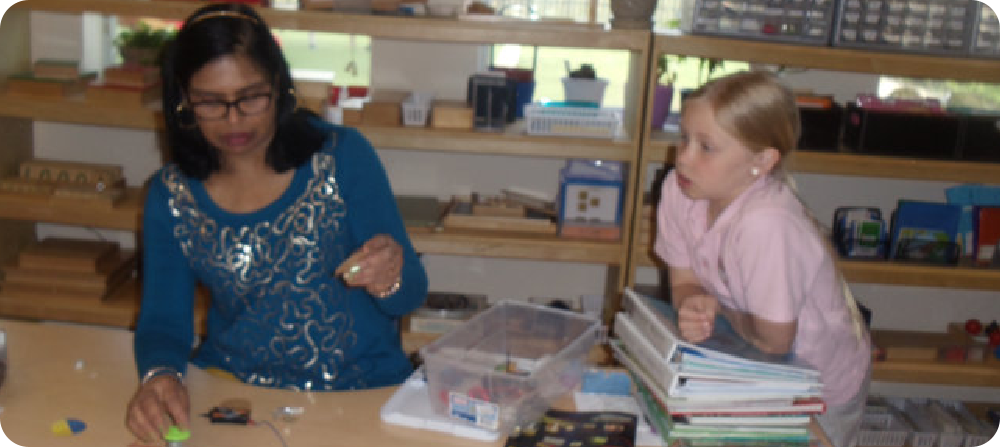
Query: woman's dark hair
point(212, 32)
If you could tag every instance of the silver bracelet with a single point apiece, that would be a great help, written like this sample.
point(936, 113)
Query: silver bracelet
point(391, 290)
point(159, 371)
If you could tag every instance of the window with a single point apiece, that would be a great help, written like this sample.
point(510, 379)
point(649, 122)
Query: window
point(952, 94)
point(549, 63)
point(343, 59)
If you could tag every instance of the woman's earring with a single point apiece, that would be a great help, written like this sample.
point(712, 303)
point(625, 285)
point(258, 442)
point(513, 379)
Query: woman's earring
point(754, 171)
point(185, 117)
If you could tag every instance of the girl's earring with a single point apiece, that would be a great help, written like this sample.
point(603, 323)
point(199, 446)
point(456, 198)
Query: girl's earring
point(754, 171)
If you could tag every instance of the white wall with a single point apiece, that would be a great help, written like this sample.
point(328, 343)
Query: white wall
point(410, 66)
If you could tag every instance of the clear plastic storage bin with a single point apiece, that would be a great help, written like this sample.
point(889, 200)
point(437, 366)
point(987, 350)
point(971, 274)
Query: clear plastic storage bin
point(986, 32)
point(505, 366)
point(792, 21)
point(914, 26)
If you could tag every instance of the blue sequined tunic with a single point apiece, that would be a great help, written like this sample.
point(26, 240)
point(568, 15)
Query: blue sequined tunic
point(278, 317)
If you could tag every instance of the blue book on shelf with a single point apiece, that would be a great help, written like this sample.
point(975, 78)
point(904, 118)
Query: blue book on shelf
point(925, 231)
point(968, 196)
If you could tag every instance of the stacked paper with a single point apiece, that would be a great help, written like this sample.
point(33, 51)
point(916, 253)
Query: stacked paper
point(721, 390)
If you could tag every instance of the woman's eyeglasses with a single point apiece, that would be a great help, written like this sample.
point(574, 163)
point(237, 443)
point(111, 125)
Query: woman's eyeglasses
point(248, 105)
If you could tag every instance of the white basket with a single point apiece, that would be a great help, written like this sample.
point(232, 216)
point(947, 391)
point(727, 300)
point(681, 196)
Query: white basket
point(416, 108)
point(572, 121)
point(415, 115)
point(883, 430)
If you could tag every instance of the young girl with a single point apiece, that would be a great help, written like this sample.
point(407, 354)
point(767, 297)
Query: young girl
point(290, 222)
point(739, 242)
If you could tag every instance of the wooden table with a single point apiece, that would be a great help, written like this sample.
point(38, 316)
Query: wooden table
point(59, 371)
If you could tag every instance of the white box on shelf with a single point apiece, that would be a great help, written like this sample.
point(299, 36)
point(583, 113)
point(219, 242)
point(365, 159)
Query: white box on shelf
point(569, 121)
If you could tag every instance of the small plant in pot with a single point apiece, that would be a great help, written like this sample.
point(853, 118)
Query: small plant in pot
point(141, 46)
point(663, 94)
point(583, 87)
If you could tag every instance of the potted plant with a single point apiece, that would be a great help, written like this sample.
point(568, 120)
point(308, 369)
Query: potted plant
point(663, 94)
point(141, 46)
point(583, 86)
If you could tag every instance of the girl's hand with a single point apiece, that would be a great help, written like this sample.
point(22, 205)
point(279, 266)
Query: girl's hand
point(696, 317)
point(376, 266)
point(157, 404)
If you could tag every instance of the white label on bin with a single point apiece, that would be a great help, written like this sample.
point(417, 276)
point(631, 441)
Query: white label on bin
point(480, 412)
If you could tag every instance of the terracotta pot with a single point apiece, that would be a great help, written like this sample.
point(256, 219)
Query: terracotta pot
point(632, 14)
point(134, 56)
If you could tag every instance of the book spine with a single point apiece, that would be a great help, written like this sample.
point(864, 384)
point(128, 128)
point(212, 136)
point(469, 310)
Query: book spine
point(654, 329)
point(651, 409)
point(644, 353)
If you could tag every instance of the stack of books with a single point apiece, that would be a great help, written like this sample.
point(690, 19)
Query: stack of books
point(126, 85)
point(722, 391)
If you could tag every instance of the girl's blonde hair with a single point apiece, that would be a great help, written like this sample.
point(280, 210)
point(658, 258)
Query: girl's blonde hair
point(757, 109)
point(760, 112)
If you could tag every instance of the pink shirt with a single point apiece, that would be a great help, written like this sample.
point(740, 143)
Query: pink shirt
point(763, 255)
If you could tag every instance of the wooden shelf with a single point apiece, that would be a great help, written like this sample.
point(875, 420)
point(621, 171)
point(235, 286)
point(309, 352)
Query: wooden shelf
point(938, 373)
point(75, 111)
point(834, 163)
point(547, 33)
point(831, 58)
point(125, 215)
point(895, 273)
point(512, 245)
point(121, 309)
point(660, 149)
point(493, 143)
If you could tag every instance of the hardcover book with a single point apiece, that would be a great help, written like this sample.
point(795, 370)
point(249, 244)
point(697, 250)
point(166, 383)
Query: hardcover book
point(724, 349)
point(987, 234)
point(925, 232)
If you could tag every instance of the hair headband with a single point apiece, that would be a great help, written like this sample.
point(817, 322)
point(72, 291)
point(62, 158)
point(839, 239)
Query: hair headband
point(222, 13)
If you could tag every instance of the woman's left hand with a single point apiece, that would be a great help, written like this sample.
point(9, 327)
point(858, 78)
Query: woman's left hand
point(376, 266)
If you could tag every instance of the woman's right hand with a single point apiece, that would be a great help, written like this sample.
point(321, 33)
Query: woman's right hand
point(696, 317)
point(158, 404)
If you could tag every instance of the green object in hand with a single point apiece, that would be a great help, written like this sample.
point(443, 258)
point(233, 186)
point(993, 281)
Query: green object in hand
point(175, 435)
point(352, 271)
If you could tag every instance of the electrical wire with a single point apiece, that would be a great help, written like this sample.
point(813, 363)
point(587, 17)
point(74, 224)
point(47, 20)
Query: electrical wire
point(275, 430)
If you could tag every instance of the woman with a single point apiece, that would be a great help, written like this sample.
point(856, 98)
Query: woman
point(290, 222)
